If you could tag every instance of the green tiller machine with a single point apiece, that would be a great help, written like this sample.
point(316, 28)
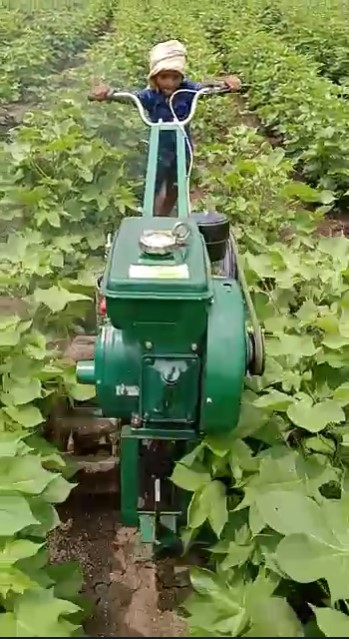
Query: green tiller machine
point(173, 351)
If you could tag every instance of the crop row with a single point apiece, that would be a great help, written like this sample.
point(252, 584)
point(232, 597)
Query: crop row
point(70, 175)
point(285, 449)
point(57, 160)
point(45, 43)
point(288, 96)
point(318, 32)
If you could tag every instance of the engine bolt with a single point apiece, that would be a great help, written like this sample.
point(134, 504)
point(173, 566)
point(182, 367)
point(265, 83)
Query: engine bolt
point(148, 345)
point(135, 420)
point(194, 347)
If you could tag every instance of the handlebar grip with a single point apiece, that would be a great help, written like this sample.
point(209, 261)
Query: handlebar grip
point(223, 90)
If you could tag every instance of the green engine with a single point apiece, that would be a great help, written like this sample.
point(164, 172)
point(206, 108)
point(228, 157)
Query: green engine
point(171, 358)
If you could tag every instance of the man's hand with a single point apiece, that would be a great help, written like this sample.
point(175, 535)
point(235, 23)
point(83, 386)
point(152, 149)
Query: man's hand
point(232, 82)
point(101, 92)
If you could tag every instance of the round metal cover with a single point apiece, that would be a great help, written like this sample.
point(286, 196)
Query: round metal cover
point(158, 242)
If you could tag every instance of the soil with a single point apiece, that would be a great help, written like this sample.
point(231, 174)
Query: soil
point(131, 596)
point(338, 224)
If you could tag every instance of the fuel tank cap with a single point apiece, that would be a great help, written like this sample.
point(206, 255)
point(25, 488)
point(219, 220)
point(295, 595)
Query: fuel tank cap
point(163, 242)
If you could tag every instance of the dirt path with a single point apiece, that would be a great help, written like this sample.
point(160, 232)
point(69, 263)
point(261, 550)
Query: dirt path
point(131, 597)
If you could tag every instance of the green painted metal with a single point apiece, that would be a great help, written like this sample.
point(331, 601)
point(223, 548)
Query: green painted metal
point(129, 475)
point(117, 367)
point(183, 203)
point(147, 527)
point(169, 389)
point(149, 191)
point(172, 357)
point(175, 434)
point(226, 359)
point(131, 274)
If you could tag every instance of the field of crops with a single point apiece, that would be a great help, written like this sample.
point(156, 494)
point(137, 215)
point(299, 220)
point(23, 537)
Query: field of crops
point(276, 493)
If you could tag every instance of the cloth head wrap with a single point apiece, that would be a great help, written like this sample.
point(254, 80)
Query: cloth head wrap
point(167, 56)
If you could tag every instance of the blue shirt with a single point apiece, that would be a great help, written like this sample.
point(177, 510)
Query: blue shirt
point(157, 106)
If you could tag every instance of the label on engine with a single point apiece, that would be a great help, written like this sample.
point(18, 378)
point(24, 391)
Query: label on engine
point(129, 391)
point(159, 272)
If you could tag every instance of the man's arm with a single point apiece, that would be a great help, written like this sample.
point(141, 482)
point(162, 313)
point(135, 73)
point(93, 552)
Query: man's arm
point(104, 92)
point(230, 82)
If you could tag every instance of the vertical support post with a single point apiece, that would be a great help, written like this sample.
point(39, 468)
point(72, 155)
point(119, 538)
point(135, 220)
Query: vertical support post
point(183, 207)
point(152, 165)
point(129, 476)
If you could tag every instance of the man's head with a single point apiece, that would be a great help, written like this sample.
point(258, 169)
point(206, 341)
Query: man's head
point(167, 65)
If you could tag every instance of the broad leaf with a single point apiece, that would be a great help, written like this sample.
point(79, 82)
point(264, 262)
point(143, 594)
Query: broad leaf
point(190, 478)
point(24, 474)
point(56, 298)
point(315, 418)
point(15, 514)
point(332, 622)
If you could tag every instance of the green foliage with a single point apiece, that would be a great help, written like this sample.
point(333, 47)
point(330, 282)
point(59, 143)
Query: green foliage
point(319, 30)
point(34, 45)
point(275, 493)
point(293, 103)
point(50, 254)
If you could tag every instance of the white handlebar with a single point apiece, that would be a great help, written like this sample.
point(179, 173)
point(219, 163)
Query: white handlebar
point(131, 96)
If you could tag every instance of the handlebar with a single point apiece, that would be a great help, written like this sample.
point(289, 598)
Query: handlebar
point(206, 91)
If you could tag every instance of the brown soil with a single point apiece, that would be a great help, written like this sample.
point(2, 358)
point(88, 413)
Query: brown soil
point(11, 306)
point(336, 225)
point(132, 596)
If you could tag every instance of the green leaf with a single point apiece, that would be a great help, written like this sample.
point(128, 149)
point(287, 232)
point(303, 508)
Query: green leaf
point(24, 475)
point(68, 579)
point(189, 478)
point(341, 394)
point(302, 191)
point(273, 617)
point(13, 579)
point(35, 347)
point(40, 614)
point(56, 298)
point(237, 555)
point(57, 490)
point(316, 417)
point(302, 346)
point(332, 622)
point(27, 416)
point(82, 392)
point(9, 338)
point(320, 552)
point(274, 400)
point(209, 502)
point(320, 444)
point(290, 512)
point(15, 514)
point(46, 517)
point(218, 515)
point(13, 550)
point(215, 608)
point(282, 469)
point(8, 625)
point(9, 444)
point(21, 391)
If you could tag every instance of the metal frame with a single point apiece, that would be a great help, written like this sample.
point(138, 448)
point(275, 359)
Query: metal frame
point(131, 515)
point(149, 192)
